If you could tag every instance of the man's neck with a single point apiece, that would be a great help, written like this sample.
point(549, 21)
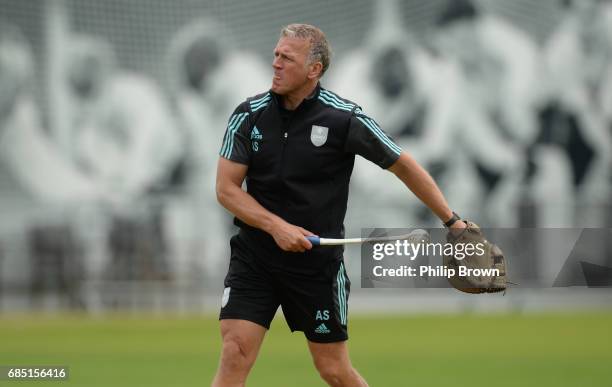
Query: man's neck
point(292, 100)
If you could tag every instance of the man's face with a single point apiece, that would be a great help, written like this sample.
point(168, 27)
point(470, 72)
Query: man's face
point(290, 65)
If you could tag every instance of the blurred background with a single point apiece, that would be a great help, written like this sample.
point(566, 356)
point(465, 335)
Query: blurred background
point(112, 114)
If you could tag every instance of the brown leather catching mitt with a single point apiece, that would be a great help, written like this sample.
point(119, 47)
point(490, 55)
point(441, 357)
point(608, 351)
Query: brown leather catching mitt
point(479, 265)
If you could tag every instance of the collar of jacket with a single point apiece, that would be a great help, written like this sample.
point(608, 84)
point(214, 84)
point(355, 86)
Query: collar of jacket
point(308, 101)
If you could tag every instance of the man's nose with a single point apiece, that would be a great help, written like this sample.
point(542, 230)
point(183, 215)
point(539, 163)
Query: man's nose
point(276, 63)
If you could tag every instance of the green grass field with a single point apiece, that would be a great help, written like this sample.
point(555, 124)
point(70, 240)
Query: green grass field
point(455, 350)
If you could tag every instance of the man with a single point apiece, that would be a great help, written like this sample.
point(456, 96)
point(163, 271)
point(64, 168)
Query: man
point(295, 146)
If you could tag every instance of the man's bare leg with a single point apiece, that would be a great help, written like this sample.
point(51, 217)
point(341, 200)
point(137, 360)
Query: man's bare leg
point(241, 342)
point(334, 365)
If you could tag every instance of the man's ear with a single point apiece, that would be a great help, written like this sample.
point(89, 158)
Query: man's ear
point(315, 70)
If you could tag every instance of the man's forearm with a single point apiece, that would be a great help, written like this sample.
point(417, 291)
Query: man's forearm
point(422, 185)
point(246, 208)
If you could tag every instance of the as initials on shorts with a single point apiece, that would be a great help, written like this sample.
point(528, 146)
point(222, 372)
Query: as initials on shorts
point(324, 315)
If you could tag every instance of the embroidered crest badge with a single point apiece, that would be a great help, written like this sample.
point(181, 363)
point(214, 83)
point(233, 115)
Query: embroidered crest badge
point(318, 135)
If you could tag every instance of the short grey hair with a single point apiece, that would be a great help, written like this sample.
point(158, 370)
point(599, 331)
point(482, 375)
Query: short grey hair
point(320, 50)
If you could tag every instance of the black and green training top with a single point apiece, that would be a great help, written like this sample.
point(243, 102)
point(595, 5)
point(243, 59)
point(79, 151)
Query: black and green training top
point(300, 162)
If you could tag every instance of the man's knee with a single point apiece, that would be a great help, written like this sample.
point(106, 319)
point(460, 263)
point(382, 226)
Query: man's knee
point(334, 372)
point(236, 355)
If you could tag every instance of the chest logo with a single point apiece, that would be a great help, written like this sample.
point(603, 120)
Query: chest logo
point(318, 135)
point(256, 136)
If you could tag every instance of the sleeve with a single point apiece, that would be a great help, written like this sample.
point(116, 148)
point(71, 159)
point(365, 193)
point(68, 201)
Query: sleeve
point(367, 139)
point(236, 143)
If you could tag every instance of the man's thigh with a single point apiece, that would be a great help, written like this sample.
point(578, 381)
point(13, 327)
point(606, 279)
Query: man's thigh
point(250, 293)
point(318, 306)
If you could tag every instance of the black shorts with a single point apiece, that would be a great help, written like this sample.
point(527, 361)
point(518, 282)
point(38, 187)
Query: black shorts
point(314, 304)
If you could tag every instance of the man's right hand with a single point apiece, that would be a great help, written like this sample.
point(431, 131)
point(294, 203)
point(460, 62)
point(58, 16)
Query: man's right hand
point(290, 237)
